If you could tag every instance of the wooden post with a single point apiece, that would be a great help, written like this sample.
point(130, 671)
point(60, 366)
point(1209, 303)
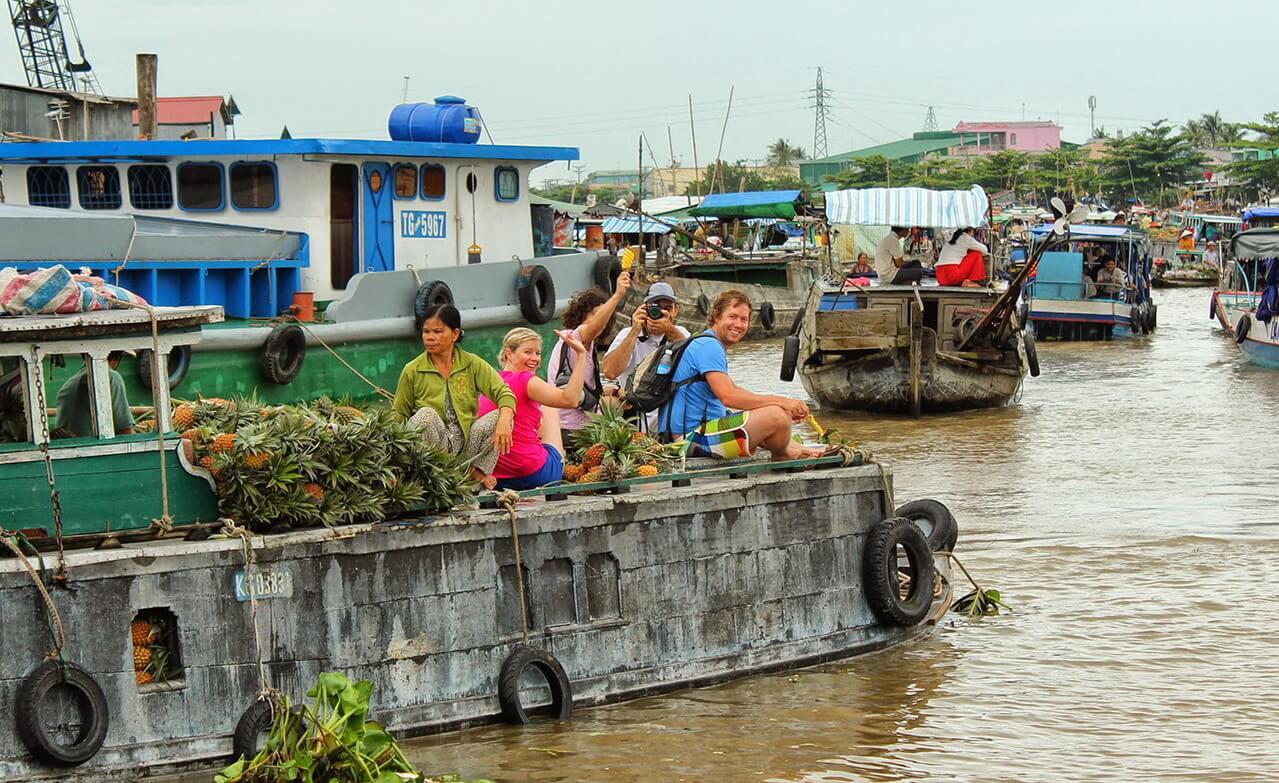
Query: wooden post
point(146, 73)
point(916, 358)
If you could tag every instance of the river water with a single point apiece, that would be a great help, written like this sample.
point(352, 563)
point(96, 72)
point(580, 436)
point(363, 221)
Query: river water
point(1126, 510)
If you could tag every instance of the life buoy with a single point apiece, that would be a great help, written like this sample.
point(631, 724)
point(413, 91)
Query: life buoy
point(94, 716)
point(1241, 328)
point(536, 291)
point(1032, 355)
point(880, 572)
point(703, 304)
point(934, 520)
point(508, 684)
point(790, 357)
point(283, 353)
point(430, 294)
point(1134, 320)
point(605, 273)
point(767, 316)
point(179, 364)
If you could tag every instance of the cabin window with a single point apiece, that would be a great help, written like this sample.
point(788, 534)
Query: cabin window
point(150, 187)
point(472, 182)
point(253, 185)
point(432, 182)
point(99, 187)
point(48, 186)
point(507, 184)
point(405, 180)
point(200, 186)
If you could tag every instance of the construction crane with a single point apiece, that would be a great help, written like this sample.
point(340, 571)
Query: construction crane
point(37, 24)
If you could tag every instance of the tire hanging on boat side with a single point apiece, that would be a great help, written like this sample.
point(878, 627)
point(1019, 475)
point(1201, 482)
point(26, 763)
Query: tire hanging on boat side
point(253, 723)
point(1151, 319)
point(1242, 327)
point(430, 294)
point(703, 304)
point(283, 353)
point(942, 531)
point(1134, 320)
point(798, 324)
point(880, 572)
point(790, 357)
point(508, 684)
point(605, 273)
point(536, 292)
point(1032, 355)
point(179, 364)
point(767, 316)
point(35, 734)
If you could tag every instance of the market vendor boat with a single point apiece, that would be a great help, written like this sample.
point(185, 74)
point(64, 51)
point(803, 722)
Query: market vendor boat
point(910, 348)
point(1188, 272)
point(1248, 308)
point(320, 251)
point(1065, 302)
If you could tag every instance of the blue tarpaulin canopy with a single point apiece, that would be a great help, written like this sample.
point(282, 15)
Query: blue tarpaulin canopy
point(908, 207)
point(630, 224)
point(781, 204)
point(1252, 213)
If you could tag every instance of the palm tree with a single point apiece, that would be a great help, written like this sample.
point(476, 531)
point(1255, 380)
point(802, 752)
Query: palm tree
point(781, 153)
point(1209, 130)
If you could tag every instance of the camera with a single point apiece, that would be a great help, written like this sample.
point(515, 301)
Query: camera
point(655, 312)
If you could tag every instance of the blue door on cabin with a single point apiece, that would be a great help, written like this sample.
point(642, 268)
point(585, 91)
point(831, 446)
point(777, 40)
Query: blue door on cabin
point(379, 219)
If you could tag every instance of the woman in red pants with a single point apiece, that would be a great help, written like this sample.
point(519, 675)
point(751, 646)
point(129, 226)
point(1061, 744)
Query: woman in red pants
point(962, 261)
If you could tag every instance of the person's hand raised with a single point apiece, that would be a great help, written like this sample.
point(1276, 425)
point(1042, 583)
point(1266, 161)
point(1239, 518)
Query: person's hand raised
point(572, 341)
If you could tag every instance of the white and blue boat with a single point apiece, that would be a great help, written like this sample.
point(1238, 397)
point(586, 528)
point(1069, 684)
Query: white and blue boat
point(1066, 303)
point(1252, 315)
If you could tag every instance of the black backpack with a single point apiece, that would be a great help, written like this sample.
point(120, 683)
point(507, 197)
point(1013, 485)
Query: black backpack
point(651, 385)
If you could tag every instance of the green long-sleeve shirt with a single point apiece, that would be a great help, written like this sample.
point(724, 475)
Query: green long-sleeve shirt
point(422, 386)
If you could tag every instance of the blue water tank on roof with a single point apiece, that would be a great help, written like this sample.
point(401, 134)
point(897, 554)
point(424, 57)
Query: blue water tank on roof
point(447, 120)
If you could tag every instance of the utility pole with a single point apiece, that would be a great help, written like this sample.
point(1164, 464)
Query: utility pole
point(820, 97)
point(1092, 116)
point(930, 120)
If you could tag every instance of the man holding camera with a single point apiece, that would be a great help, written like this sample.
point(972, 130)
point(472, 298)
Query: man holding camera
point(652, 326)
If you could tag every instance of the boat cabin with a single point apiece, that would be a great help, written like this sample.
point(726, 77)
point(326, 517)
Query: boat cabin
point(428, 197)
point(1066, 299)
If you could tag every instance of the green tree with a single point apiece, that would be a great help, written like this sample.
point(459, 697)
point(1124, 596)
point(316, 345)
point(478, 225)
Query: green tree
point(740, 176)
point(1209, 130)
point(944, 174)
point(1065, 172)
point(875, 171)
point(1259, 167)
point(781, 153)
point(1006, 170)
point(1150, 164)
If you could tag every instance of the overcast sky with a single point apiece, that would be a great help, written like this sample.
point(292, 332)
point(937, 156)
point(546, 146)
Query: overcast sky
point(596, 75)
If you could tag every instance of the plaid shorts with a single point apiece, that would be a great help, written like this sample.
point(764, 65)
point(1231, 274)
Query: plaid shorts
point(724, 438)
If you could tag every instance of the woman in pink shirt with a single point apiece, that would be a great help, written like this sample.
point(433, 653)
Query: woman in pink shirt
point(537, 450)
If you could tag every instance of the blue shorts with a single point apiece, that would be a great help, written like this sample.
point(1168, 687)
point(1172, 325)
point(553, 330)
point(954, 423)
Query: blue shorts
point(552, 470)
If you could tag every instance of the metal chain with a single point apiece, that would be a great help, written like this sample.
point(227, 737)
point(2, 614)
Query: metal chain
point(55, 497)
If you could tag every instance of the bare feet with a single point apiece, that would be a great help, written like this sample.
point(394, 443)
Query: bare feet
point(798, 451)
point(969, 284)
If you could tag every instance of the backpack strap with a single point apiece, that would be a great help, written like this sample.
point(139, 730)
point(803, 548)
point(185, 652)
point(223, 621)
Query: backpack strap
point(676, 386)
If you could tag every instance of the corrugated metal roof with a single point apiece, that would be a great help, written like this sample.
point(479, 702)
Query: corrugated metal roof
point(572, 210)
point(896, 150)
point(188, 110)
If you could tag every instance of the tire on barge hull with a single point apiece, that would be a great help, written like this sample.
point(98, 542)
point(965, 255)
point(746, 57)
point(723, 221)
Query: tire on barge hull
point(32, 728)
point(508, 687)
point(882, 578)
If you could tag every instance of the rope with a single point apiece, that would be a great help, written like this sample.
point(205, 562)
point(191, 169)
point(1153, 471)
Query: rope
point(952, 556)
point(51, 611)
point(231, 530)
point(507, 499)
point(133, 234)
point(382, 392)
point(274, 249)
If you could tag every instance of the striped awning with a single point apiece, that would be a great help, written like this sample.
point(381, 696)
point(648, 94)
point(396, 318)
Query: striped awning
point(908, 207)
point(631, 225)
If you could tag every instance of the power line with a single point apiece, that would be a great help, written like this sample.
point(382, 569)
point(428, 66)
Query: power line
point(820, 97)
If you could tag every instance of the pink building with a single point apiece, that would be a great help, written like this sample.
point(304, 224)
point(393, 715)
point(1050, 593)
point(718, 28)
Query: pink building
point(984, 138)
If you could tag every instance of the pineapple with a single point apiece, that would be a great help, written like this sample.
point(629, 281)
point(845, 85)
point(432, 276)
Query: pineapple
point(647, 470)
point(142, 632)
point(592, 475)
point(144, 426)
point(347, 413)
point(144, 678)
point(184, 417)
point(192, 434)
point(225, 441)
point(206, 462)
point(573, 472)
point(594, 456)
point(314, 490)
point(257, 460)
point(616, 469)
point(141, 658)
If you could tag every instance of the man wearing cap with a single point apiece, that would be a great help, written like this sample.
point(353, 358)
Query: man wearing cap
point(75, 402)
point(645, 335)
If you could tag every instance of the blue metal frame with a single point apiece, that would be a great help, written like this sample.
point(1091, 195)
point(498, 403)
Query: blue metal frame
point(395, 176)
point(421, 178)
point(497, 183)
point(177, 185)
point(136, 150)
point(275, 175)
point(108, 199)
point(44, 196)
point(143, 200)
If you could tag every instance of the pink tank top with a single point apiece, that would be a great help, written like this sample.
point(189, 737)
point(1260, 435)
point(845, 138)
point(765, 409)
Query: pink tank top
point(527, 455)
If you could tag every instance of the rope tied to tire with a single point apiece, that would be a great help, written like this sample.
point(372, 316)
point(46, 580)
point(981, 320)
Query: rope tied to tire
point(507, 499)
point(52, 618)
point(378, 389)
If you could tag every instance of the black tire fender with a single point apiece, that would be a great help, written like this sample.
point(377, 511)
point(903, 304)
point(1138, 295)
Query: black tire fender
point(605, 273)
point(253, 723)
point(508, 684)
point(1212, 306)
point(798, 324)
point(1134, 320)
point(767, 316)
point(179, 365)
point(536, 291)
point(1032, 355)
point(33, 731)
point(790, 357)
point(703, 304)
point(1242, 328)
point(883, 590)
point(283, 354)
point(934, 520)
point(430, 294)
point(1151, 318)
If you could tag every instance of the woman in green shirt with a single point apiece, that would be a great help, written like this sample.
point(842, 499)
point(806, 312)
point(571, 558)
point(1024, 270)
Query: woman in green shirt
point(439, 392)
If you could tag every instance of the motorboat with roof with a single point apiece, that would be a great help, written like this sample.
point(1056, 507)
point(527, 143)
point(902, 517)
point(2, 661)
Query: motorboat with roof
point(1064, 299)
point(358, 235)
point(1248, 305)
point(910, 348)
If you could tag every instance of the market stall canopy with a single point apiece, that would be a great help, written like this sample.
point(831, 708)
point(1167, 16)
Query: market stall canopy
point(782, 204)
point(1252, 213)
point(910, 207)
point(1256, 243)
point(630, 224)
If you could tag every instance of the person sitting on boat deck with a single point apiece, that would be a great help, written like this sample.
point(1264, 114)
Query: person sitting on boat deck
point(962, 261)
point(587, 316)
point(889, 260)
point(653, 325)
point(1211, 257)
point(1111, 280)
point(862, 267)
point(75, 402)
point(439, 393)
point(699, 412)
point(1187, 240)
point(536, 457)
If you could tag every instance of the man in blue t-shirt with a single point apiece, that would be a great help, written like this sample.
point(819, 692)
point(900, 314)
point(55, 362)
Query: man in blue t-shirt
point(699, 409)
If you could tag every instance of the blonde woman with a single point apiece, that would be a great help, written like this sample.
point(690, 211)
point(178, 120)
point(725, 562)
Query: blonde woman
point(536, 456)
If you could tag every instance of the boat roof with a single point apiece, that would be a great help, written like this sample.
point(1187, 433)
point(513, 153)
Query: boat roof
point(835, 286)
point(1260, 212)
point(781, 204)
point(910, 207)
point(1255, 243)
point(140, 150)
point(103, 323)
point(1093, 231)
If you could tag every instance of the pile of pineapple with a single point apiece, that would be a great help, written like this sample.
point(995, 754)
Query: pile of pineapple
point(317, 463)
point(609, 448)
point(151, 660)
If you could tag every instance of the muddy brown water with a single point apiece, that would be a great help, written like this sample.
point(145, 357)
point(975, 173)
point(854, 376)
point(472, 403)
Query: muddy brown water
point(1127, 510)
